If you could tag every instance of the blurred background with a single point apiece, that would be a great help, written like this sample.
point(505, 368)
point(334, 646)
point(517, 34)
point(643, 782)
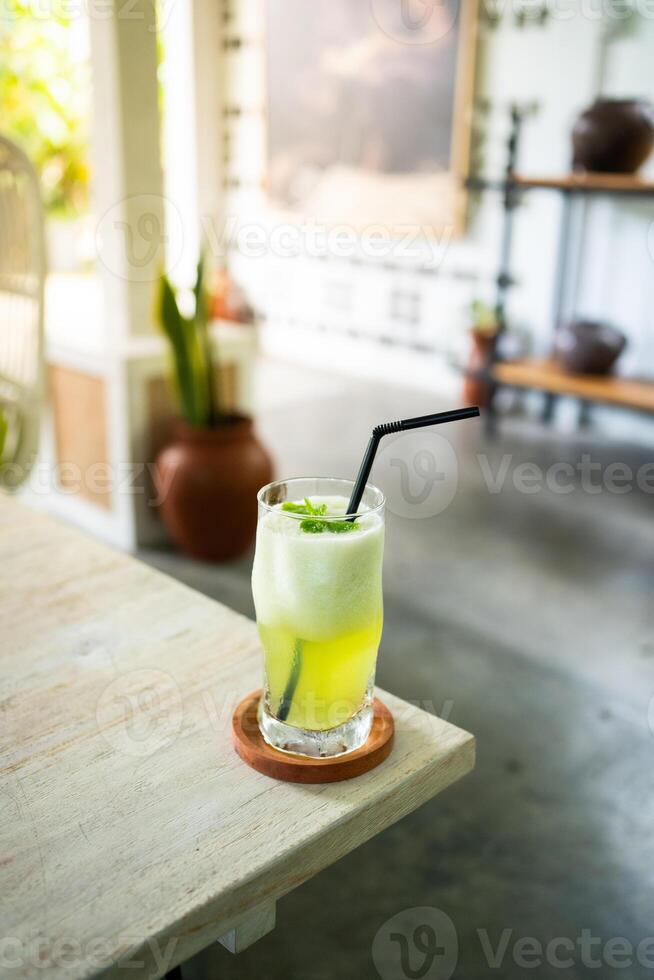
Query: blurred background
point(290, 222)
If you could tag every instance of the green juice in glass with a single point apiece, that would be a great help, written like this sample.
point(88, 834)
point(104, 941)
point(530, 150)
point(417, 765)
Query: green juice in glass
point(317, 586)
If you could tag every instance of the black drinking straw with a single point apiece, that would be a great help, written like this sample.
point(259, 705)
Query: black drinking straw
point(385, 429)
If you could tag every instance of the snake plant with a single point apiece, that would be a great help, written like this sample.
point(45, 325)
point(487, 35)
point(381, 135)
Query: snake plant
point(194, 371)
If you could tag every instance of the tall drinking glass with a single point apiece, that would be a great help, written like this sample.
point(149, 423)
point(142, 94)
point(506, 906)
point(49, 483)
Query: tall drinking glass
point(317, 586)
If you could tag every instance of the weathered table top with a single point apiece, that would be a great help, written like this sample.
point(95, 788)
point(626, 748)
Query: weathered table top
point(129, 828)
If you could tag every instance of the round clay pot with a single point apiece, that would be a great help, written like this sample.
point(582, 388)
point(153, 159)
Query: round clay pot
point(207, 482)
point(586, 347)
point(476, 388)
point(613, 136)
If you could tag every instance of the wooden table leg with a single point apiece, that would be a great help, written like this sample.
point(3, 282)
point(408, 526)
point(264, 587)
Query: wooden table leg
point(255, 925)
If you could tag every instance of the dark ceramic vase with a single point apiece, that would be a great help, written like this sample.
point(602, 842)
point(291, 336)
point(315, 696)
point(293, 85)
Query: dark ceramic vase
point(613, 136)
point(585, 347)
point(207, 482)
point(476, 388)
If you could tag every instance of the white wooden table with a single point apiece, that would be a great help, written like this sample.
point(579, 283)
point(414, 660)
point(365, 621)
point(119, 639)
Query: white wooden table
point(130, 832)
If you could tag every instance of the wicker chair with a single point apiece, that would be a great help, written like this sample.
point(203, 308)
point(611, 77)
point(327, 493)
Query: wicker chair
point(22, 275)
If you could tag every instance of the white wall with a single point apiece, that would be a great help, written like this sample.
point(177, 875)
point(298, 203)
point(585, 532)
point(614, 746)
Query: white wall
point(336, 312)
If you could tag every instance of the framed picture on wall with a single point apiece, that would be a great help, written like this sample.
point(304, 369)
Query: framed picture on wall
point(369, 110)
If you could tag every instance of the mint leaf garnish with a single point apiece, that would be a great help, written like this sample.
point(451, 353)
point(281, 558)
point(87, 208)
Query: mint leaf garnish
point(306, 508)
point(316, 511)
point(313, 526)
point(318, 527)
point(295, 508)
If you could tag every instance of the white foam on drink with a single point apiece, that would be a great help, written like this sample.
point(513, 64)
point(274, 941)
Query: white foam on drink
point(318, 585)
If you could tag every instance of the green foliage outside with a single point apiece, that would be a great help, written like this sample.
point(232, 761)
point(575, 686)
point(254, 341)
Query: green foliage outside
point(44, 95)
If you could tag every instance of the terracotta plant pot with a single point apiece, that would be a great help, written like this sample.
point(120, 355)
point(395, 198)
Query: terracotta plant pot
point(476, 389)
point(613, 136)
point(207, 482)
point(585, 347)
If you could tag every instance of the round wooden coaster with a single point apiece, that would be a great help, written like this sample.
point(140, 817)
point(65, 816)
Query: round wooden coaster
point(253, 749)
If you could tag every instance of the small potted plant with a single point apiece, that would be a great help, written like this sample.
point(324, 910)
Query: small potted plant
point(484, 333)
point(208, 476)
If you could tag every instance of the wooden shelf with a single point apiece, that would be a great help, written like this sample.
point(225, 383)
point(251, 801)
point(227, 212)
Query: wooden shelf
point(583, 183)
point(546, 375)
point(589, 182)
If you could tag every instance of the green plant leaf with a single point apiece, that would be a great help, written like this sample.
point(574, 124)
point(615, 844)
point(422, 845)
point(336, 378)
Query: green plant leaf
point(3, 432)
point(190, 344)
point(202, 324)
point(199, 293)
point(179, 335)
point(197, 360)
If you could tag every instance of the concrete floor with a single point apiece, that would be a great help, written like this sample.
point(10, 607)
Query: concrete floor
point(527, 616)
